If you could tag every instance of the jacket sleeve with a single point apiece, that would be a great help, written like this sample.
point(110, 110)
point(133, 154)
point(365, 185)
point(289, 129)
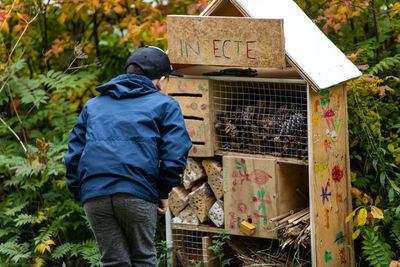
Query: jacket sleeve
point(173, 149)
point(76, 145)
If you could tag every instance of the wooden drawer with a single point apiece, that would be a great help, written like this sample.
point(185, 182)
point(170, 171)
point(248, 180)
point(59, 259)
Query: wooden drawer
point(193, 96)
point(258, 189)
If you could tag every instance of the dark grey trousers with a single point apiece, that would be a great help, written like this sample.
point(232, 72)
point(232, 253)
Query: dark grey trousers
point(124, 227)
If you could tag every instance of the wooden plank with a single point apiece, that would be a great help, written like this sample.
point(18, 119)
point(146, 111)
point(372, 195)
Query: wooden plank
point(348, 200)
point(226, 8)
point(188, 86)
point(250, 186)
point(206, 242)
point(226, 41)
point(329, 178)
point(200, 228)
point(193, 106)
point(198, 130)
point(278, 159)
point(202, 150)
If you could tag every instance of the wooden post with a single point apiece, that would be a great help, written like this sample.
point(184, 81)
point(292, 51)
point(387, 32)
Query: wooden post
point(330, 198)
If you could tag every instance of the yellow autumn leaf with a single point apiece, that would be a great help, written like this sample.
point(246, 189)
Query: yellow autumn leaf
point(353, 176)
point(376, 212)
point(348, 218)
point(42, 247)
point(78, 7)
point(369, 198)
point(5, 27)
point(355, 234)
point(61, 19)
point(39, 262)
point(362, 216)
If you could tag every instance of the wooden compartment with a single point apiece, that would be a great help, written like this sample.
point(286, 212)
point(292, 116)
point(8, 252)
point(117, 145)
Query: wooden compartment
point(190, 248)
point(259, 189)
point(260, 116)
point(193, 96)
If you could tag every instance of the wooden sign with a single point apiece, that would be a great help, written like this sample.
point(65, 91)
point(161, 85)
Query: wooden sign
point(245, 42)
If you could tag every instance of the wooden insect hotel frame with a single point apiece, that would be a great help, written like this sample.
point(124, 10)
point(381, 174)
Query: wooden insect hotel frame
point(264, 93)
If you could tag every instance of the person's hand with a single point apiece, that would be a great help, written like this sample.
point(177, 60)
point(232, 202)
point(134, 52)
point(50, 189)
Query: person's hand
point(162, 206)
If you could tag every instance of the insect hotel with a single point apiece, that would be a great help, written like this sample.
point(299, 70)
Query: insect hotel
point(264, 103)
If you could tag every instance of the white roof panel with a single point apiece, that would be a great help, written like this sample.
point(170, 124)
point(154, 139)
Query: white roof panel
point(306, 45)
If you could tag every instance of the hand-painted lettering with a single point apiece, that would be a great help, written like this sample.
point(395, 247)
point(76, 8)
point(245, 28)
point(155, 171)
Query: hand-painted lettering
point(248, 49)
point(266, 50)
point(238, 46)
point(206, 47)
point(223, 49)
point(196, 52)
point(215, 48)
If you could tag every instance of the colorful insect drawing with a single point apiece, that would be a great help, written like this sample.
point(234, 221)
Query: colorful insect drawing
point(320, 167)
point(327, 219)
point(337, 173)
point(325, 194)
point(261, 211)
point(328, 255)
point(339, 238)
point(256, 176)
point(328, 114)
point(342, 255)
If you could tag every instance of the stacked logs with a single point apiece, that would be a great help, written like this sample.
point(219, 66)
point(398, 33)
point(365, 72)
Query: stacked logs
point(278, 131)
point(199, 199)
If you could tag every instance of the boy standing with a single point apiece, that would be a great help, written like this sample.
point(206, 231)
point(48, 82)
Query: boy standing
point(126, 152)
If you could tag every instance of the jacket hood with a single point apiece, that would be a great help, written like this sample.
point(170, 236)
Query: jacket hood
point(127, 86)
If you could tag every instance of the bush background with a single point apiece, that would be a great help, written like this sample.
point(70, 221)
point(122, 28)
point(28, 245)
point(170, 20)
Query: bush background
point(54, 53)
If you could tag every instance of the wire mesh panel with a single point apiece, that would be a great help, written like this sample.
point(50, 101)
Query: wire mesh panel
point(189, 246)
point(256, 117)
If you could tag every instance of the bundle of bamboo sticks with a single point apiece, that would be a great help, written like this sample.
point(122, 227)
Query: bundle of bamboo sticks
point(293, 227)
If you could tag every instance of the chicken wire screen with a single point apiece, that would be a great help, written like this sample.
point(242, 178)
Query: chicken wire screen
point(188, 246)
point(255, 117)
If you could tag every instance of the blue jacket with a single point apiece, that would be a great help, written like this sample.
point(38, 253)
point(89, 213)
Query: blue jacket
point(130, 139)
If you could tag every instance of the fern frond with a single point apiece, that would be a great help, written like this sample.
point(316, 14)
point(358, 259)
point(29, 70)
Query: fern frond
point(377, 252)
point(385, 64)
point(62, 250)
point(23, 219)
point(15, 251)
point(16, 209)
point(395, 233)
point(45, 234)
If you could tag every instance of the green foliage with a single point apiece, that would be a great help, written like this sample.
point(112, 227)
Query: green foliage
point(217, 248)
point(377, 252)
point(163, 253)
point(385, 64)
